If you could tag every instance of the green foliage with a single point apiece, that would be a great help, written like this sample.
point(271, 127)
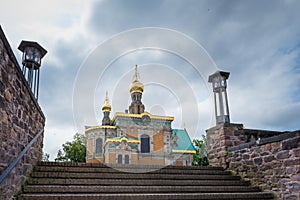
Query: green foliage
point(226, 153)
point(20, 193)
point(45, 157)
point(201, 156)
point(74, 151)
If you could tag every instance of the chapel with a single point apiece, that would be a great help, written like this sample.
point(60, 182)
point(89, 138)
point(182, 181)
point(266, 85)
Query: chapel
point(136, 136)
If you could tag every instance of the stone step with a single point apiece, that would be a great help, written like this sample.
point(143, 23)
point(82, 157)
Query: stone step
point(137, 182)
point(148, 196)
point(135, 189)
point(72, 181)
point(73, 175)
point(121, 170)
point(121, 166)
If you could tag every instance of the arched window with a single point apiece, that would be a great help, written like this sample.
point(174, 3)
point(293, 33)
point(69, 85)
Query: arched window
point(99, 145)
point(119, 159)
point(145, 144)
point(126, 159)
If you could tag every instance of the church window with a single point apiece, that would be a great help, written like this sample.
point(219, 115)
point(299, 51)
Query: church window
point(120, 159)
point(145, 144)
point(126, 159)
point(99, 143)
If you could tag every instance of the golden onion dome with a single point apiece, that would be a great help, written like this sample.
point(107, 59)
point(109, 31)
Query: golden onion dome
point(106, 107)
point(136, 85)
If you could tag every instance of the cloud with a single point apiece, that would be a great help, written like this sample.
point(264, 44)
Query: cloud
point(257, 41)
point(266, 96)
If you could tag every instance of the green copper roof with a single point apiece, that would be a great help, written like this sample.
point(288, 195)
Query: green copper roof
point(87, 127)
point(184, 141)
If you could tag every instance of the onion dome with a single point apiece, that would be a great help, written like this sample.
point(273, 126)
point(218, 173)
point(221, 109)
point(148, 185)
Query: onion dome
point(106, 106)
point(136, 85)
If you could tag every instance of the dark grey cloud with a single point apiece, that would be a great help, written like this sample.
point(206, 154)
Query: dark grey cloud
point(112, 17)
point(257, 41)
point(254, 40)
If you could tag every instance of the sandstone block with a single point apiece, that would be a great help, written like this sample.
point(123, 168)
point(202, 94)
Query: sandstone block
point(283, 154)
point(290, 197)
point(295, 187)
point(293, 169)
point(246, 156)
point(265, 153)
point(257, 161)
point(296, 152)
point(296, 178)
point(290, 162)
point(268, 147)
point(8, 96)
point(291, 143)
point(269, 159)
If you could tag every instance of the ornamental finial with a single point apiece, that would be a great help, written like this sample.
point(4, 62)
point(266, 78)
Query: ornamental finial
point(136, 85)
point(106, 98)
point(106, 106)
point(136, 75)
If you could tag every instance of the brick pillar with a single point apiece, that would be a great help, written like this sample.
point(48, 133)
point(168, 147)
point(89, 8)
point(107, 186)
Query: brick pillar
point(219, 138)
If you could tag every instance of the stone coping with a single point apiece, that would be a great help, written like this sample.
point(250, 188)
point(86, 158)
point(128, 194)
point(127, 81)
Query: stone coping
point(217, 127)
point(263, 141)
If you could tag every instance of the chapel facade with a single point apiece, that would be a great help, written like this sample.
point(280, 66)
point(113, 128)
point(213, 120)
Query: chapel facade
point(136, 136)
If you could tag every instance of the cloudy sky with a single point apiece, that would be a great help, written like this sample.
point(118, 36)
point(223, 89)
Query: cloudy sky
point(94, 45)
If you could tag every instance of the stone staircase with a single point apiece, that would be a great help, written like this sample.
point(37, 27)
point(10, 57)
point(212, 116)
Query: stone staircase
point(72, 181)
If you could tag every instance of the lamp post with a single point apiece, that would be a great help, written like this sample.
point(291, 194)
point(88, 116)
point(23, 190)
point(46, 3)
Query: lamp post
point(218, 80)
point(31, 61)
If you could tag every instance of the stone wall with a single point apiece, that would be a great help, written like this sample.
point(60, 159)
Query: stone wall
point(271, 163)
point(20, 120)
point(269, 159)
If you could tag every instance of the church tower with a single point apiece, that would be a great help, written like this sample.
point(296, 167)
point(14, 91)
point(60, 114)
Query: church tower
point(106, 108)
point(136, 90)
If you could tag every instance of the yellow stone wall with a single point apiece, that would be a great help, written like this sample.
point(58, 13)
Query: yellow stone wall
point(134, 159)
point(90, 145)
point(158, 142)
point(178, 163)
point(151, 161)
point(110, 158)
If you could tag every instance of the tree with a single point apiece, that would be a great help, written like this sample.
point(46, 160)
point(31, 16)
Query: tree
point(74, 151)
point(201, 156)
point(45, 157)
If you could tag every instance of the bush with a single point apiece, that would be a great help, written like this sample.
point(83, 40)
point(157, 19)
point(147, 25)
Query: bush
point(201, 156)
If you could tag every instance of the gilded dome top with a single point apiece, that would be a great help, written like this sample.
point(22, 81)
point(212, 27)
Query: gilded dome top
point(106, 107)
point(136, 85)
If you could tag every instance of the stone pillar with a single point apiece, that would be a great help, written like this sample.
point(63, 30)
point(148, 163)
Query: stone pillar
point(219, 138)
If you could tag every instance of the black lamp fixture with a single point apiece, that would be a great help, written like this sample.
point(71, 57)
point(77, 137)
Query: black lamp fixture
point(31, 61)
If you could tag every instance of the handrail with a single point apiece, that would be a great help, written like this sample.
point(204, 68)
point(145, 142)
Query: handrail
point(13, 164)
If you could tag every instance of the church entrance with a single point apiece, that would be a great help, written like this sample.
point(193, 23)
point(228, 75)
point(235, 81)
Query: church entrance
point(145, 144)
